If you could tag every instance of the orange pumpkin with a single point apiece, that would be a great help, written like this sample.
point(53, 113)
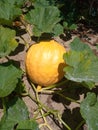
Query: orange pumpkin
point(44, 62)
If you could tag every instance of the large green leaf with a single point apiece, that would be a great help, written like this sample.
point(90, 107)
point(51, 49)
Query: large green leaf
point(45, 3)
point(9, 10)
point(27, 125)
point(82, 63)
point(43, 19)
point(9, 77)
point(42, 3)
point(89, 110)
point(18, 3)
point(16, 111)
point(78, 45)
point(7, 41)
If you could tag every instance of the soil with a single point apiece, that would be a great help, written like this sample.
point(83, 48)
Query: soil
point(69, 111)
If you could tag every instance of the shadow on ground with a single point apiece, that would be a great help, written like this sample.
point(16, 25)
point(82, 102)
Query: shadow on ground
point(71, 114)
point(72, 118)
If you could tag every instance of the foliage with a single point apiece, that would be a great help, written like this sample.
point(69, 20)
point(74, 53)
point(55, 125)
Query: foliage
point(89, 108)
point(80, 10)
point(16, 111)
point(82, 63)
point(8, 84)
point(9, 11)
point(55, 18)
point(27, 124)
point(7, 41)
point(44, 19)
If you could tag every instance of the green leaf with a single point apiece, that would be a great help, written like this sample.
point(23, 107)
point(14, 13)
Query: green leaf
point(9, 77)
point(72, 27)
point(7, 41)
point(78, 45)
point(82, 63)
point(42, 3)
point(16, 111)
point(9, 10)
point(89, 85)
point(20, 88)
point(27, 125)
point(89, 110)
point(43, 19)
point(65, 24)
point(17, 3)
point(58, 29)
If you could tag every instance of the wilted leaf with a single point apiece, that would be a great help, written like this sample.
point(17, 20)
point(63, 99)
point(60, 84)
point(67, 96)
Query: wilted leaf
point(27, 125)
point(43, 19)
point(9, 76)
point(7, 41)
point(89, 110)
point(82, 64)
point(16, 111)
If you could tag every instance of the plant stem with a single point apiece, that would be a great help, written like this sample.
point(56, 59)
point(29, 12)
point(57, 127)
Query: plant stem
point(50, 111)
point(44, 124)
point(3, 104)
point(80, 124)
point(25, 42)
point(63, 122)
point(45, 111)
point(69, 99)
point(54, 85)
point(27, 27)
point(41, 108)
point(57, 92)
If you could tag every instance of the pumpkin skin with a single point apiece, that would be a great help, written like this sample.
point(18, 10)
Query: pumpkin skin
point(44, 63)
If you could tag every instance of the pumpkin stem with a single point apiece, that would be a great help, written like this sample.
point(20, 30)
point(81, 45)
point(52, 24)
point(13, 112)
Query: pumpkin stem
point(39, 88)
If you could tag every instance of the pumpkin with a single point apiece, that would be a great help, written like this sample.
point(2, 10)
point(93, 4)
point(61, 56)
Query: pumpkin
point(44, 62)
